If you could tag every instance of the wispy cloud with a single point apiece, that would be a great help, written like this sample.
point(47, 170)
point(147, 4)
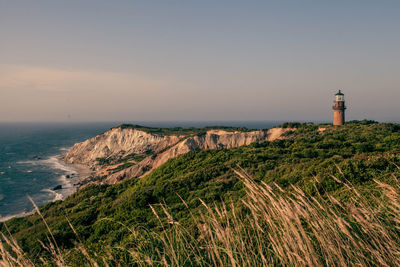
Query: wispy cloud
point(52, 94)
point(36, 78)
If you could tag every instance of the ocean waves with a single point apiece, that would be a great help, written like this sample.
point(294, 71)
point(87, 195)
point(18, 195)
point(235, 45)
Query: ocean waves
point(48, 179)
point(30, 164)
point(66, 180)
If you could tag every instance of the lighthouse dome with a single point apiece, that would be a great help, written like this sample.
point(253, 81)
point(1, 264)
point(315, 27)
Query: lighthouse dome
point(339, 93)
point(339, 96)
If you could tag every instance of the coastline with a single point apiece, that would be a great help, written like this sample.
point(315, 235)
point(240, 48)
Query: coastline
point(19, 215)
point(70, 181)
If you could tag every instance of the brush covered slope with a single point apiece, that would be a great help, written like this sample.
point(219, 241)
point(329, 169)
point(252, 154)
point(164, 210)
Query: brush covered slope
point(131, 151)
point(102, 215)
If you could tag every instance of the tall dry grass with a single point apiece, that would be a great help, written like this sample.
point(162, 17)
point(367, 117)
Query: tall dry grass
point(278, 227)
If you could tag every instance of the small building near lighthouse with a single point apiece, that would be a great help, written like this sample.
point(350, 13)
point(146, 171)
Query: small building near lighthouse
point(339, 108)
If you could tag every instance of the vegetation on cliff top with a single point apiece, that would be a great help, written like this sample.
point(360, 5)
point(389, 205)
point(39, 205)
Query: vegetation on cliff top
point(309, 158)
point(181, 130)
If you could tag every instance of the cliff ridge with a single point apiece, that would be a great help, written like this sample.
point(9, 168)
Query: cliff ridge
point(128, 152)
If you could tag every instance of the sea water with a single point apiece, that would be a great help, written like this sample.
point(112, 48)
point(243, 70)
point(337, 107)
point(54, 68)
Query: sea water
point(30, 165)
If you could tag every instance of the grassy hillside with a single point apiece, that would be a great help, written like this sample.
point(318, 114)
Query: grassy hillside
point(102, 215)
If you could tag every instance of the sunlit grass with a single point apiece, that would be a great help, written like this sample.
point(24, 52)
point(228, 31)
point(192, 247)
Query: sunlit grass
point(278, 227)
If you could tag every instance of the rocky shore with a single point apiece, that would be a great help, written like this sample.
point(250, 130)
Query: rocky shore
point(73, 179)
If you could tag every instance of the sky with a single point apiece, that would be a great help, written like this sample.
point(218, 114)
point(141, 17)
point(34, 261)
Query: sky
point(204, 60)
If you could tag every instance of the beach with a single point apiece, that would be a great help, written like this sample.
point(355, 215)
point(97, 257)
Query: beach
point(71, 181)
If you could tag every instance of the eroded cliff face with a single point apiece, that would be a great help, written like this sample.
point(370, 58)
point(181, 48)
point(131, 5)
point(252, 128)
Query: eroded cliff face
point(130, 153)
point(116, 143)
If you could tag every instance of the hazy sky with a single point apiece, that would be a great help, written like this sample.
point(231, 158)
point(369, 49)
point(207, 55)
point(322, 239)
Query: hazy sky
point(198, 60)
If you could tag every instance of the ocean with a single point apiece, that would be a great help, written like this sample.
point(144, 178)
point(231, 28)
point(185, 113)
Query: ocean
point(29, 163)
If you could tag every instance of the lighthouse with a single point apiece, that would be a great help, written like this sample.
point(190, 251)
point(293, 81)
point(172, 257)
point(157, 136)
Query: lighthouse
point(338, 109)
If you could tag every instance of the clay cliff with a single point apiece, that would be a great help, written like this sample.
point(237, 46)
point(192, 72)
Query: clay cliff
point(123, 153)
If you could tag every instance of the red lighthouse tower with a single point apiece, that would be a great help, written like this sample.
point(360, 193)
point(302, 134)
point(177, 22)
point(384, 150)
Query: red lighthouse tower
point(338, 109)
